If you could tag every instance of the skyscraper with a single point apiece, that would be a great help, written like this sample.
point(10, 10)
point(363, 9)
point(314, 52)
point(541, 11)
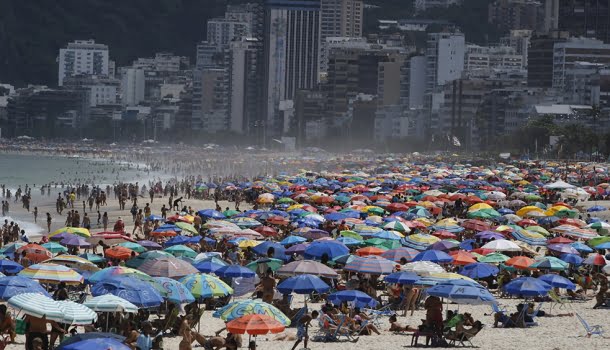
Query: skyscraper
point(83, 57)
point(292, 41)
point(587, 18)
point(245, 86)
point(338, 18)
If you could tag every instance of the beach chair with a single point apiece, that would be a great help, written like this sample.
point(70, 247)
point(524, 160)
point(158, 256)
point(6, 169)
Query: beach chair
point(377, 314)
point(532, 315)
point(591, 330)
point(462, 339)
point(503, 311)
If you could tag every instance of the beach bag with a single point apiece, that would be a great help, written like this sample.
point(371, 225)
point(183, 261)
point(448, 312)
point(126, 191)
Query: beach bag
point(20, 326)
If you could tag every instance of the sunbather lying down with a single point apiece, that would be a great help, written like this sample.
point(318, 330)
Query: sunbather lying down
point(285, 337)
point(397, 327)
point(463, 332)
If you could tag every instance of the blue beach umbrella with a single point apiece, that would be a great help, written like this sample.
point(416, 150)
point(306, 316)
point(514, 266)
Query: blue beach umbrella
point(479, 270)
point(9, 266)
point(303, 284)
point(402, 278)
point(234, 271)
point(292, 240)
point(557, 281)
point(95, 344)
point(13, 285)
point(527, 287)
point(211, 214)
point(354, 297)
point(173, 291)
point(207, 266)
point(331, 249)
point(436, 256)
point(581, 247)
point(462, 292)
point(263, 248)
point(573, 259)
point(140, 293)
point(178, 240)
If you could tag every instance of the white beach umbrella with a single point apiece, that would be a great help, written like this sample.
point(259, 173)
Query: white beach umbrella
point(502, 245)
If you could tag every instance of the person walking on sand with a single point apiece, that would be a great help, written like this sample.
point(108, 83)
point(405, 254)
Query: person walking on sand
point(303, 329)
point(105, 221)
point(35, 214)
point(49, 222)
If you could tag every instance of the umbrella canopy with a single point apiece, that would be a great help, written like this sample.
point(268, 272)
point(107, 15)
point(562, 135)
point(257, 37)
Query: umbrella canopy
point(76, 314)
point(14, 285)
point(110, 303)
point(262, 264)
point(369, 251)
point(80, 231)
point(52, 273)
point(37, 305)
point(138, 292)
point(55, 247)
point(140, 259)
point(310, 267)
point(149, 244)
point(181, 250)
point(519, 262)
point(205, 286)
point(118, 252)
point(527, 287)
point(502, 245)
point(479, 270)
point(173, 291)
point(573, 259)
point(241, 308)
point(133, 246)
point(95, 344)
point(167, 267)
point(557, 281)
point(370, 264)
point(36, 253)
point(595, 260)
point(423, 267)
point(9, 266)
point(549, 263)
point(114, 271)
point(355, 297)
point(402, 278)
point(93, 335)
point(330, 249)
point(398, 253)
point(303, 284)
point(234, 271)
point(255, 324)
point(562, 248)
point(462, 292)
point(75, 241)
point(436, 256)
point(494, 258)
point(74, 262)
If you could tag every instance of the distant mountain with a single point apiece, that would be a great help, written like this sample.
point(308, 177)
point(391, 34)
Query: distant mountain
point(33, 31)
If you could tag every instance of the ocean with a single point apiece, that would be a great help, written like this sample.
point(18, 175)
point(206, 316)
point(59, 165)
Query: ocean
point(17, 170)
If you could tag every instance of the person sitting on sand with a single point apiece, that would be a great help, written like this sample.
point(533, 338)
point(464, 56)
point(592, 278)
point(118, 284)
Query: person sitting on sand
point(462, 332)
point(397, 327)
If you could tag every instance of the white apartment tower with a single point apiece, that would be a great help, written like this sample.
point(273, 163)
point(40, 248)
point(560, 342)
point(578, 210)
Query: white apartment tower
point(339, 18)
point(83, 57)
point(567, 54)
point(132, 86)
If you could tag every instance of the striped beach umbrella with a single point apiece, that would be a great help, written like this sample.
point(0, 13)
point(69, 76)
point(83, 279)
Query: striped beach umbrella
point(52, 273)
point(241, 308)
point(76, 314)
point(110, 303)
point(80, 231)
point(419, 241)
point(399, 253)
point(37, 305)
point(371, 264)
point(206, 286)
point(74, 262)
point(167, 267)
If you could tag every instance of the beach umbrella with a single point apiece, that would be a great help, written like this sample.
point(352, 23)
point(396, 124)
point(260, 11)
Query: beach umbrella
point(76, 314)
point(153, 217)
point(149, 244)
point(181, 250)
point(443, 245)
point(354, 297)
point(461, 257)
point(14, 285)
point(370, 264)
point(9, 266)
point(212, 214)
point(595, 260)
point(436, 256)
point(310, 267)
point(55, 247)
point(241, 308)
point(133, 246)
point(601, 246)
point(167, 267)
point(348, 241)
point(562, 248)
point(95, 344)
point(527, 287)
point(560, 240)
point(303, 284)
point(292, 240)
point(557, 281)
point(502, 245)
point(37, 305)
point(80, 231)
point(519, 262)
point(351, 234)
point(173, 291)
point(369, 251)
point(120, 253)
point(402, 277)
point(398, 253)
point(187, 227)
point(397, 226)
point(330, 249)
point(298, 249)
point(94, 335)
point(114, 271)
point(581, 247)
point(479, 270)
point(494, 258)
point(279, 252)
point(140, 259)
point(36, 253)
point(234, 271)
point(207, 266)
point(178, 240)
point(262, 264)
point(75, 241)
point(74, 262)
point(573, 259)
point(93, 258)
point(462, 292)
point(419, 241)
point(138, 292)
point(10, 248)
point(549, 263)
point(422, 267)
point(51, 273)
point(255, 325)
point(206, 286)
point(489, 235)
point(110, 303)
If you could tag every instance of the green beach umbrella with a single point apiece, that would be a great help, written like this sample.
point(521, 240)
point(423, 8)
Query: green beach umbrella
point(181, 250)
point(133, 246)
point(187, 227)
point(494, 258)
point(55, 247)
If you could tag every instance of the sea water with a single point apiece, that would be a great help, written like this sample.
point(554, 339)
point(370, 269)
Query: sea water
point(17, 170)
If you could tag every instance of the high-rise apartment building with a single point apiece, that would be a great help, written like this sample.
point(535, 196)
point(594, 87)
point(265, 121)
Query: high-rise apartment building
point(291, 54)
point(540, 59)
point(132, 86)
point(339, 18)
point(83, 57)
point(566, 55)
point(245, 105)
point(221, 31)
point(586, 18)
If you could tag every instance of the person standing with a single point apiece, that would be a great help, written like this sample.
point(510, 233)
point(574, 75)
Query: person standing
point(49, 222)
point(303, 329)
point(36, 214)
point(105, 221)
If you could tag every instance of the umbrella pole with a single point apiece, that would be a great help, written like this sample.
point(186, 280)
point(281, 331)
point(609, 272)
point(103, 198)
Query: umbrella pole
point(107, 318)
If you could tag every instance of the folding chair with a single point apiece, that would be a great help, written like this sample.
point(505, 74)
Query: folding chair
point(591, 330)
point(532, 315)
point(556, 300)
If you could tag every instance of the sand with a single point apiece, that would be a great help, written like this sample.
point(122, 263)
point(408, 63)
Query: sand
point(551, 333)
